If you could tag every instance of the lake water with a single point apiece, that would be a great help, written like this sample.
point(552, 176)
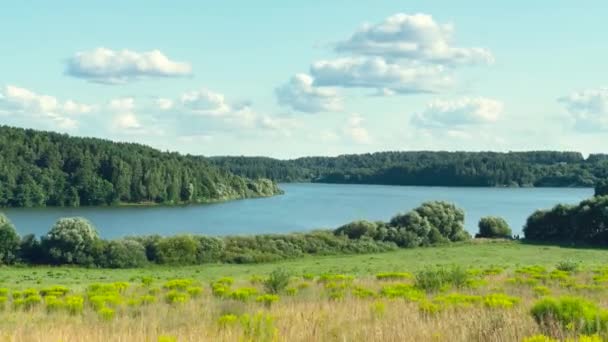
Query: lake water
point(303, 207)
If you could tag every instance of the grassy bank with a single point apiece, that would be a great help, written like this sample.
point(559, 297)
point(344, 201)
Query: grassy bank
point(509, 254)
point(475, 291)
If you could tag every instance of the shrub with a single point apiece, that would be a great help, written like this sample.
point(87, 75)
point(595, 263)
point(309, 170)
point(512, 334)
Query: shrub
point(243, 294)
point(177, 284)
point(210, 249)
point(124, 254)
point(267, 299)
point(277, 281)
point(434, 279)
point(357, 229)
point(500, 300)
point(177, 250)
point(570, 313)
point(569, 266)
point(53, 304)
point(494, 227)
point(55, 290)
point(404, 291)
point(586, 223)
point(176, 297)
point(31, 301)
point(194, 291)
point(446, 218)
point(601, 188)
point(71, 241)
point(74, 304)
point(227, 320)
point(9, 241)
point(30, 249)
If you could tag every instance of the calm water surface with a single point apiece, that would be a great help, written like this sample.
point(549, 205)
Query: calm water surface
point(303, 207)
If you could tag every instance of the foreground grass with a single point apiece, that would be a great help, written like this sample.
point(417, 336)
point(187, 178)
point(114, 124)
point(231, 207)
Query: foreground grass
point(334, 298)
point(485, 253)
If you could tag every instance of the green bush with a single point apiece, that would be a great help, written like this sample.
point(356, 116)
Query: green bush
point(601, 188)
point(9, 241)
point(569, 266)
point(585, 223)
point(357, 229)
point(177, 250)
point(435, 279)
point(277, 281)
point(493, 227)
point(71, 241)
point(124, 254)
point(570, 313)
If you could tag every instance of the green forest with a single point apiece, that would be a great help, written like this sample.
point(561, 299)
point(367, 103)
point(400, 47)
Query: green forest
point(512, 169)
point(49, 169)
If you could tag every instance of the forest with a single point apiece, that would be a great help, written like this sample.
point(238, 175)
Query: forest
point(427, 168)
point(49, 169)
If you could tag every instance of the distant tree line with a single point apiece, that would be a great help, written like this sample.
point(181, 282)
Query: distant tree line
point(49, 169)
point(74, 241)
point(522, 169)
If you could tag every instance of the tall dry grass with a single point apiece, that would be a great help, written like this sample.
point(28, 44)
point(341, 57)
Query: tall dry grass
point(309, 315)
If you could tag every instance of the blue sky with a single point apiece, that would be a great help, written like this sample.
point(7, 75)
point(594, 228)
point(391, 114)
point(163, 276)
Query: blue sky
point(288, 79)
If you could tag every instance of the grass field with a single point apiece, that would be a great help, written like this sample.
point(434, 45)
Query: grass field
point(481, 291)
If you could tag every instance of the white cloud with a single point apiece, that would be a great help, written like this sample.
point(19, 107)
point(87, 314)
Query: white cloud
point(124, 121)
point(29, 105)
point(124, 117)
point(462, 112)
point(355, 131)
point(376, 73)
point(208, 111)
point(205, 102)
point(416, 37)
point(164, 104)
point(115, 67)
point(301, 95)
point(588, 108)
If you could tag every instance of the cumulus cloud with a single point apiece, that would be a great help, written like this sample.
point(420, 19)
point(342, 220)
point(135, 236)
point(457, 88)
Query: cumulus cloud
point(588, 108)
point(207, 111)
point(461, 112)
point(116, 67)
point(206, 102)
point(415, 37)
point(124, 117)
point(376, 73)
point(302, 95)
point(355, 130)
point(164, 104)
point(28, 104)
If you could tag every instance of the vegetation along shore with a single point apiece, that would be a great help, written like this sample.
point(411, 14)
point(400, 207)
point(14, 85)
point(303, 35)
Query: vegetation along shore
point(302, 287)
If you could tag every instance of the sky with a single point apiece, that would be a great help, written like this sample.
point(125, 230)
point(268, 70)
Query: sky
point(296, 78)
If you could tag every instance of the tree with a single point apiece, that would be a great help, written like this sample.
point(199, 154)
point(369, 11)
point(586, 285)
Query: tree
point(446, 218)
point(494, 227)
point(177, 250)
point(124, 254)
point(71, 241)
point(9, 241)
point(601, 188)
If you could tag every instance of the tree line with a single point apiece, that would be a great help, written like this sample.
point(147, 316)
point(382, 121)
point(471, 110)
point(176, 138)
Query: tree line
point(75, 241)
point(426, 168)
point(586, 222)
point(49, 169)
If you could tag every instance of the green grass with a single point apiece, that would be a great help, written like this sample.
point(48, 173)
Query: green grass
point(507, 254)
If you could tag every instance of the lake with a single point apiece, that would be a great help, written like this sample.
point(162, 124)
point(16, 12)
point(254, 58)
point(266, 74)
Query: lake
point(303, 207)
